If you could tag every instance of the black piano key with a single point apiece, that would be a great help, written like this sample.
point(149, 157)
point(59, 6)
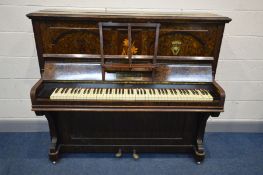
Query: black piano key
point(75, 90)
point(63, 89)
point(85, 91)
point(66, 91)
point(56, 90)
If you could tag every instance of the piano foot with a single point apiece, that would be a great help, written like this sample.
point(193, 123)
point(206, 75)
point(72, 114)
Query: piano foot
point(54, 162)
point(119, 153)
point(53, 150)
point(53, 157)
point(199, 157)
point(135, 155)
point(199, 153)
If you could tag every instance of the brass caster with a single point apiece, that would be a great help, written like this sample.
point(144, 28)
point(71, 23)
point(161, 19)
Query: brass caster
point(54, 162)
point(198, 163)
point(135, 155)
point(118, 154)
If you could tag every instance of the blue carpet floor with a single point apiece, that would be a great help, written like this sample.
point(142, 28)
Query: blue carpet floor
point(227, 154)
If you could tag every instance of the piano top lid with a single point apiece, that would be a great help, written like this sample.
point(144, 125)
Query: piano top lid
point(84, 14)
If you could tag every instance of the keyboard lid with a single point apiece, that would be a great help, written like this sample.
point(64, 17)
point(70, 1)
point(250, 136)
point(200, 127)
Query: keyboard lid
point(180, 72)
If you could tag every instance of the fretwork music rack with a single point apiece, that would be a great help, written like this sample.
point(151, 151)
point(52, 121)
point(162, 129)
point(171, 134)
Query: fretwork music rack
point(130, 66)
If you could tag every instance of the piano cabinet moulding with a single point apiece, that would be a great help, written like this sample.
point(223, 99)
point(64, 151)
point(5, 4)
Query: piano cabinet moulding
point(73, 55)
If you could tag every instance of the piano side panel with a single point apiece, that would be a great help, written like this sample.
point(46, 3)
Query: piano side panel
point(164, 73)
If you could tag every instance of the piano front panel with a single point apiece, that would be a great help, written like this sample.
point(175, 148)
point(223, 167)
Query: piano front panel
point(70, 37)
point(83, 37)
point(109, 128)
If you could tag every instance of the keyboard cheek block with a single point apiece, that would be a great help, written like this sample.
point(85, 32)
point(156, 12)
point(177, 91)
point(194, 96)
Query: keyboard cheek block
point(127, 83)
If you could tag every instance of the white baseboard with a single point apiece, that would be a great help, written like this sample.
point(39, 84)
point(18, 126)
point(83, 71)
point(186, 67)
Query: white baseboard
point(40, 125)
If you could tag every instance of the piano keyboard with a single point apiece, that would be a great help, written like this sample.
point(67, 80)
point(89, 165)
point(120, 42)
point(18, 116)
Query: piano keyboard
point(137, 94)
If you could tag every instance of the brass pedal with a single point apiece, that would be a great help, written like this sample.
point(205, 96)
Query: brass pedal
point(119, 153)
point(135, 155)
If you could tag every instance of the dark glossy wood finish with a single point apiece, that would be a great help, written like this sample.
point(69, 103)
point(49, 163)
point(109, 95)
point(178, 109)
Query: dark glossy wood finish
point(82, 49)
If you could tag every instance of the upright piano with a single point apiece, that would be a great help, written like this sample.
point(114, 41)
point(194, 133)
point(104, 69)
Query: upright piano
point(127, 82)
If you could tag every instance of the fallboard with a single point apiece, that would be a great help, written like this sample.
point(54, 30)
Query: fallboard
point(180, 72)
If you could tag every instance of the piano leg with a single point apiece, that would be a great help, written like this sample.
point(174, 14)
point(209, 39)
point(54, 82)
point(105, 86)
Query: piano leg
point(199, 151)
point(53, 150)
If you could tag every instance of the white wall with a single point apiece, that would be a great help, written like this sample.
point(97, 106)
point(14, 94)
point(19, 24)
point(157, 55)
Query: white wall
point(240, 69)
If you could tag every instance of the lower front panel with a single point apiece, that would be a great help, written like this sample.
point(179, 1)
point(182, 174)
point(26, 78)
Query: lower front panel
point(126, 129)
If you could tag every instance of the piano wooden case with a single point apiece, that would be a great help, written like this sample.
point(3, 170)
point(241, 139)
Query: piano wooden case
point(78, 49)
